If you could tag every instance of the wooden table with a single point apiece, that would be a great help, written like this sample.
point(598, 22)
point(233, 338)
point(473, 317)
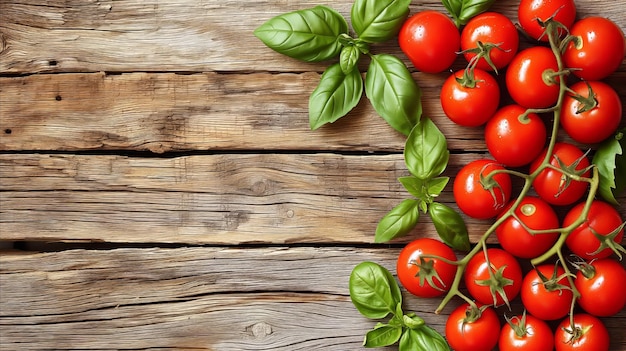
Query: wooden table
point(161, 188)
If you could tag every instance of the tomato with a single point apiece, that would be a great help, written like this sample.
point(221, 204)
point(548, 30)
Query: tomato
point(550, 299)
point(592, 334)
point(527, 78)
point(532, 213)
point(426, 277)
point(525, 333)
point(475, 200)
point(512, 140)
point(529, 11)
point(598, 122)
point(490, 28)
point(600, 51)
point(470, 106)
point(601, 287)
point(548, 183)
point(421, 40)
point(467, 331)
point(502, 267)
point(602, 219)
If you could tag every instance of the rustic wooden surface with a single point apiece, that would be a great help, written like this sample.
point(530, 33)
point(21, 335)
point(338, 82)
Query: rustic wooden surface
point(161, 189)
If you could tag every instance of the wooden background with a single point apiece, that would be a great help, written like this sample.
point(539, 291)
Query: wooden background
point(161, 189)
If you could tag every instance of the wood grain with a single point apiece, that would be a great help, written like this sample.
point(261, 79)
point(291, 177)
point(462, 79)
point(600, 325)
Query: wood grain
point(207, 298)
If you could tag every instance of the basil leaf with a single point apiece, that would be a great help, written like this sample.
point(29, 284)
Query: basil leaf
point(348, 59)
point(611, 162)
point(425, 190)
point(436, 185)
point(336, 94)
point(450, 226)
point(428, 339)
point(309, 35)
point(414, 186)
point(426, 150)
point(393, 92)
point(378, 20)
point(373, 290)
point(471, 8)
point(398, 222)
point(383, 335)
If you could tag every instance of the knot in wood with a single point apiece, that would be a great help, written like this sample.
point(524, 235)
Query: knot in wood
point(260, 329)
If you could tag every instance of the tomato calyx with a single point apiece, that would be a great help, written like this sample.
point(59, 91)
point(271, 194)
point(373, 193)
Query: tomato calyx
point(473, 313)
point(518, 324)
point(586, 103)
point(576, 333)
point(552, 283)
point(483, 50)
point(608, 241)
point(569, 172)
point(496, 283)
point(426, 273)
point(489, 183)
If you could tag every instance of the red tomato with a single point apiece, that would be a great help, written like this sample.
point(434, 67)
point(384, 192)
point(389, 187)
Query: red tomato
point(601, 50)
point(490, 28)
point(532, 213)
point(526, 333)
point(602, 219)
point(591, 335)
point(598, 122)
point(527, 78)
point(426, 277)
point(530, 11)
point(502, 267)
point(473, 333)
point(421, 40)
point(473, 198)
point(550, 299)
point(601, 287)
point(512, 140)
point(470, 106)
point(549, 185)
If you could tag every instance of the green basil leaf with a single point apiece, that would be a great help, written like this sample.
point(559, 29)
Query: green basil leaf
point(393, 92)
point(454, 9)
point(378, 20)
point(412, 321)
point(373, 290)
point(611, 162)
point(336, 94)
point(450, 226)
point(384, 335)
point(309, 35)
point(426, 150)
point(408, 341)
point(471, 8)
point(398, 222)
point(436, 185)
point(348, 59)
point(428, 339)
point(414, 186)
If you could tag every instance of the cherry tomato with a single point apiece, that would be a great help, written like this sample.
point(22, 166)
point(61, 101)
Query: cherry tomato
point(601, 118)
point(527, 78)
point(525, 333)
point(501, 266)
point(602, 219)
point(467, 332)
point(532, 213)
point(470, 106)
point(549, 184)
point(601, 287)
point(591, 334)
point(426, 277)
point(476, 200)
point(514, 140)
point(490, 28)
point(550, 299)
point(600, 51)
point(530, 11)
point(421, 40)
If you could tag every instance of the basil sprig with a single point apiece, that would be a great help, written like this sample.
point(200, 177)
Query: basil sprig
point(463, 10)
point(426, 157)
point(320, 33)
point(376, 294)
point(610, 159)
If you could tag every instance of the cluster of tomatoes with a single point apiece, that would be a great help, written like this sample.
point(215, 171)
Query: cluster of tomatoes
point(581, 53)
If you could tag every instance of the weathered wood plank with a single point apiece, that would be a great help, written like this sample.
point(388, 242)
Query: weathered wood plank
point(177, 35)
point(207, 111)
point(219, 199)
point(207, 298)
